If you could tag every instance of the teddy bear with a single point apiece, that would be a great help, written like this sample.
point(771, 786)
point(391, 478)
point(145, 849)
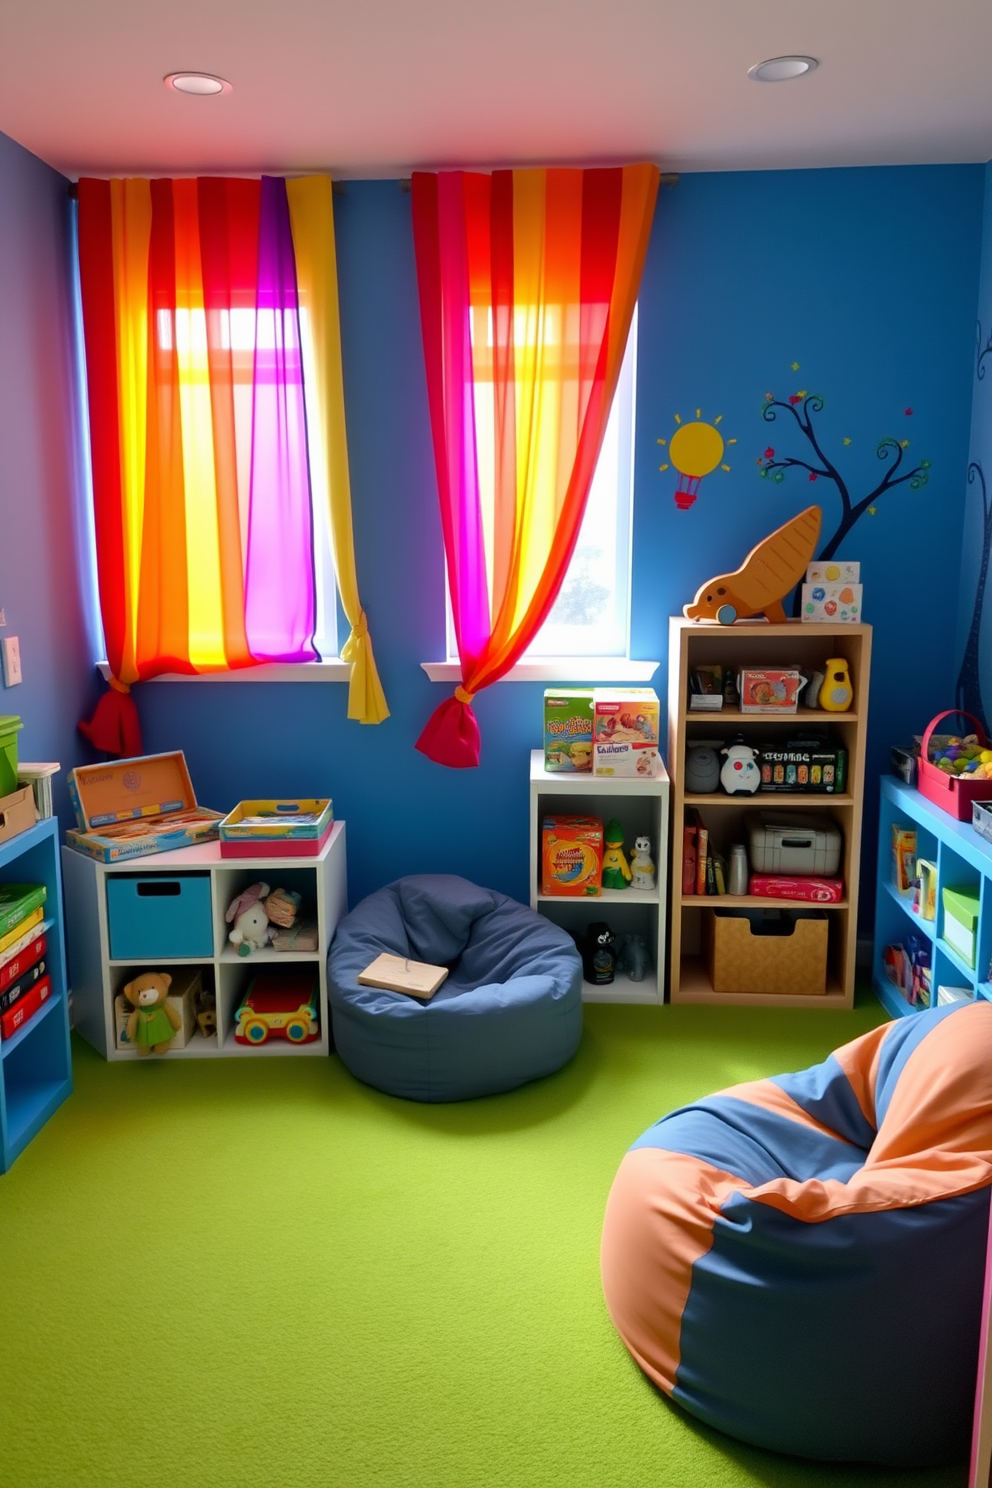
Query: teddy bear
point(154, 1023)
point(252, 930)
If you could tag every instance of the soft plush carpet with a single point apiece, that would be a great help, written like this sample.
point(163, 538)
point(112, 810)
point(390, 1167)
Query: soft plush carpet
point(256, 1273)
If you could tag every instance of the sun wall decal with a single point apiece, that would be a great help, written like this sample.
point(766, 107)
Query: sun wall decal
point(695, 449)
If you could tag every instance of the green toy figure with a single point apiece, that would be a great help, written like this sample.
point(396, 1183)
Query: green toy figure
point(616, 873)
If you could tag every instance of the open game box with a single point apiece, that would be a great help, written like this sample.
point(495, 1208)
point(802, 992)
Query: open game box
point(131, 808)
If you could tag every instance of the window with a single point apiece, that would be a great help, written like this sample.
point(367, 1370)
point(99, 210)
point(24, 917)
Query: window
point(591, 616)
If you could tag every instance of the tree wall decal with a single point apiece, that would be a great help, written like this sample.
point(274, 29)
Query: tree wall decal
point(803, 408)
point(981, 352)
point(968, 694)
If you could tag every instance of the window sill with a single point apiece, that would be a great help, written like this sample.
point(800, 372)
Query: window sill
point(557, 669)
point(334, 670)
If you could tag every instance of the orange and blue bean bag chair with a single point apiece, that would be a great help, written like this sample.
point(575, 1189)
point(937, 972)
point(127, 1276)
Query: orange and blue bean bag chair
point(799, 1261)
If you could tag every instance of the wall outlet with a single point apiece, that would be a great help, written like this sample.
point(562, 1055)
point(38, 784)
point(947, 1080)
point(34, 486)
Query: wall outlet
point(11, 661)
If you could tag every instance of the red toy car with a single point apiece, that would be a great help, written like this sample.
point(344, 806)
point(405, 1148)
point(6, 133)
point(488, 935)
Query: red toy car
point(280, 1004)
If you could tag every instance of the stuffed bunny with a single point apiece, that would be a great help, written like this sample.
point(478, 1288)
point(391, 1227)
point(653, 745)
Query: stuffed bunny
point(252, 930)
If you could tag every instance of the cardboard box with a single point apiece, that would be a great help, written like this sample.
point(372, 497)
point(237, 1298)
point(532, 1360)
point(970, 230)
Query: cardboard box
point(833, 571)
point(834, 603)
point(741, 961)
point(132, 808)
point(17, 812)
point(572, 856)
point(625, 732)
point(770, 689)
point(187, 982)
point(568, 729)
point(961, 922)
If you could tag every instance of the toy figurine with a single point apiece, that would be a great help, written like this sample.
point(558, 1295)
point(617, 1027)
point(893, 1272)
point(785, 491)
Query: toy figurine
point(740, 775)
point(282, 907)
point(641, 865)
point(765, 577)
point(836, 694)
point(702, 769)
point(206, 1012)
point(251, 923)
point(154, 1023)
point(599, 959)
point(616, 873)
point(635, 957)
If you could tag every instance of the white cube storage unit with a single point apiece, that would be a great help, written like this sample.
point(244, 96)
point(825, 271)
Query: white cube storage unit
point(134, 907)
point(641, 807)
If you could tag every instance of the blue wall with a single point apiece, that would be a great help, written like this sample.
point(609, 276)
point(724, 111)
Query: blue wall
point(867, 278)
point(40, 539)
point(973, 545)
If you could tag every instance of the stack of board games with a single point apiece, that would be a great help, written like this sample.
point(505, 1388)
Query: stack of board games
point(24, 980)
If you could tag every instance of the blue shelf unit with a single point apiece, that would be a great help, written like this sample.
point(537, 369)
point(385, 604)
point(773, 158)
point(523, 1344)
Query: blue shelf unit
point(36, 1064)
point(964, 860)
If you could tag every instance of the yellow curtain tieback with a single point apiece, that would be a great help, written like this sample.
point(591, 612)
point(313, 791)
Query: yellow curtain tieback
point(463, 696)
point(360, 629)
point(119, 686)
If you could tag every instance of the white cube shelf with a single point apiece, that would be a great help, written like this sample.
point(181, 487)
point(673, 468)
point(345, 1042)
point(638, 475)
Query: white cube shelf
point(641, 806)
point(96, 978)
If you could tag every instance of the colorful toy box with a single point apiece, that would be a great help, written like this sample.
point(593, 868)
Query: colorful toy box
point(572, 856)
point(276, 829)
point(833, 571)
point(625, 731)
point(568, 728)
point(832, 602)
point(134, 807)
point(805, 766)
point(770, 689)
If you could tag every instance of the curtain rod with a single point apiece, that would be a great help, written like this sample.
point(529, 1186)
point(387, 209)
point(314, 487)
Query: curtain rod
point(340, 188)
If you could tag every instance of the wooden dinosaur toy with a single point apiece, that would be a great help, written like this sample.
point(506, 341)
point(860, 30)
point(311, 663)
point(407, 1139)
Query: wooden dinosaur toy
point(765, 577)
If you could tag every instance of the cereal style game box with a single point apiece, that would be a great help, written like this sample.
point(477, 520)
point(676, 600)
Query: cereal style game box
point(572, 856)
point(625, 731)
point(568, 728)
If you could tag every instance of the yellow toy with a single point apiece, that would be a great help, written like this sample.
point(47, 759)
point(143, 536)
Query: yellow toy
point(154, 1023)
point(616, 871)
point(836, 694)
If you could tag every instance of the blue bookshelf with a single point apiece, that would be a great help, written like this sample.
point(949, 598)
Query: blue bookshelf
point(964, 860)
point(35, 1065)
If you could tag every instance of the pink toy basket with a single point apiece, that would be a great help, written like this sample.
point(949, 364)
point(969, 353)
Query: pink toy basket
point(952, 793)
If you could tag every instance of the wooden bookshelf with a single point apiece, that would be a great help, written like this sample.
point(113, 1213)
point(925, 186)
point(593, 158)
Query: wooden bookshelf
point(758, 643)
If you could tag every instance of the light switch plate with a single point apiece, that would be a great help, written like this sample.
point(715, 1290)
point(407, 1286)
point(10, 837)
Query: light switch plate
point(11, 660)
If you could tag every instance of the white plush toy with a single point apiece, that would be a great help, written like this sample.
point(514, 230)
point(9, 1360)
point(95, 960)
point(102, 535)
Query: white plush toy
point(252, 930)
point(641, 866)
point(740, 775)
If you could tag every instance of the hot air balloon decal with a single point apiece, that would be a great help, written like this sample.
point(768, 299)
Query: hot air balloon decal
point(695, 449)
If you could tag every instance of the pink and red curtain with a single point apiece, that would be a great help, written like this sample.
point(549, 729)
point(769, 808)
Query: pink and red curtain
point(528, 281)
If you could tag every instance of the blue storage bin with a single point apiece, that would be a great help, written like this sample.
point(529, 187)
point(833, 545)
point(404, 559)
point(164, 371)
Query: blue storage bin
point(159, 916)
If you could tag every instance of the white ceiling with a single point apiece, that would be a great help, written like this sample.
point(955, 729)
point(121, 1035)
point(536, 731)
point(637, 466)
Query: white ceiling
point(375, 87)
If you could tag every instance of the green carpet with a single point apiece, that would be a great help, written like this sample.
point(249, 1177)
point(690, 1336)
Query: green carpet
point(260, 1274)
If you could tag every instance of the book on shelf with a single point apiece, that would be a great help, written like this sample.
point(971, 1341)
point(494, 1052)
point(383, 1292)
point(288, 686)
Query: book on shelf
point(689, 846)
point(26, 938)
point(16, 902)
point(34, 917)
point(21, 960)
point(17, 989)
point(720, 873)
point(15, 1017)
point(702, 856)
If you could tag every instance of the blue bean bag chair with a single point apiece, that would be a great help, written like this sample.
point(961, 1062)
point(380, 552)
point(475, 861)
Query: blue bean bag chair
point(799, 1261)
point(509, 1011)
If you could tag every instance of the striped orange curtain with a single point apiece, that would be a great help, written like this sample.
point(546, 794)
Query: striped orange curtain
point(528, 281)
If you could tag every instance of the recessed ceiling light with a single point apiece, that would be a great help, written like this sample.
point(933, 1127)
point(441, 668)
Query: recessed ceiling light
point(778, 69)
point(199, 84)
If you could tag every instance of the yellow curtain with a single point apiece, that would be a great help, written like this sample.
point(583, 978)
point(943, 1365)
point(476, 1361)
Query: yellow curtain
point(312, 218)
